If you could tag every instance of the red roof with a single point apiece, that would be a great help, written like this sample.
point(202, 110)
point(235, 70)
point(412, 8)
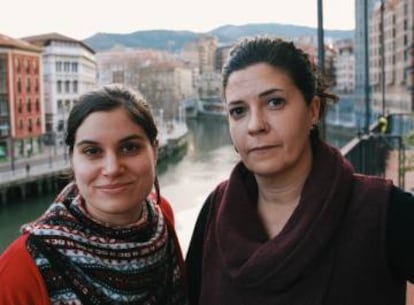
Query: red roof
point(13, 43)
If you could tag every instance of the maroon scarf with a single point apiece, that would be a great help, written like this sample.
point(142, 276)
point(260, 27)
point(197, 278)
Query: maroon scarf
point(242, 266)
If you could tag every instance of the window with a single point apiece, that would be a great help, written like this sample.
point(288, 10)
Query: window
point(59, 106)
point(18, 65)
point(19, 106)
point(66, 66)
point(60, 125)
point(3, 82)
point(59, 86)
point(58, 66)
point(37, 85)
point(19, 85)
point(67, 86)
point(29, 126)
point(28, 85)
point(29, 105)
point(27, 66)
point(37, 105)
point(36, 66)
point(67, 106)
point(75, 67)
point(75, 86)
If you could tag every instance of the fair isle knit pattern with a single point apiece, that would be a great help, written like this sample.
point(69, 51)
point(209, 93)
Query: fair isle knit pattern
point(84, 261)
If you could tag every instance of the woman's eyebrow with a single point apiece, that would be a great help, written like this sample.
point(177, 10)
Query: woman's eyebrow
point(270, 91)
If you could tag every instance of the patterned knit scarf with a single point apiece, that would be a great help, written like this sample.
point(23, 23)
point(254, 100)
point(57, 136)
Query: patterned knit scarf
point(84, 261)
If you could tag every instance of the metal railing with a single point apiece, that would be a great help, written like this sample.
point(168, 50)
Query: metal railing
point(369, 153)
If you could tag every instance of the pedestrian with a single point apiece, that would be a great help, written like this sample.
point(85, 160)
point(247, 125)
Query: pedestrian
point(383, 124)
point(106, 238)
point(294, 224)
point(27, 168)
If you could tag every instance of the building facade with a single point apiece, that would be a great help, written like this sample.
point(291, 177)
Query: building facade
point(166, 85)
point(344, 66)
point(21, 99)
point(361, 50)
point(390, 57)
point(122, 66)
point(69, 70)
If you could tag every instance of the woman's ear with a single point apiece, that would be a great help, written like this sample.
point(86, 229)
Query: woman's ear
point(315, 108)
point(155, 148)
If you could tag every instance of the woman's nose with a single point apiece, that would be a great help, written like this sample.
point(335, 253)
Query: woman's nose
point(112, 165)
point(257, 121)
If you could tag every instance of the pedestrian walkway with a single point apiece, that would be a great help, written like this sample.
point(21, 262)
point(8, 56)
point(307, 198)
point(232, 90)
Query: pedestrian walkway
point(35, 170)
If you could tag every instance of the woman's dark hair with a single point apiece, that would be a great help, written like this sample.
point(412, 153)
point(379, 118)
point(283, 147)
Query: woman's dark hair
point(282, 55)
point(109, 98)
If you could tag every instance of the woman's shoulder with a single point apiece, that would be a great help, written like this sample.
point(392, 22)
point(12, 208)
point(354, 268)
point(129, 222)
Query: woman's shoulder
point(16, 252)
point(400, 238)
point(167, 210)
point(21, 280)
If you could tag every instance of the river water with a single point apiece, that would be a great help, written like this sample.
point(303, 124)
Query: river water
point(185, 181)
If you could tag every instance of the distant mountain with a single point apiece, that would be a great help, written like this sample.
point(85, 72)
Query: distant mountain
point(154, 39)
point(228, 34)
point(231, 33)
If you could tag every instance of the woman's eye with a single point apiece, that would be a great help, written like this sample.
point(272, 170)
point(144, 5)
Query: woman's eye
point(276, 102)
point(128, 148)
point(91, 151)
point(236, 112)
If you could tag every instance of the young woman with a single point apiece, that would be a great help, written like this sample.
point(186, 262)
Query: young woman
point(294, 224)
point(103, 240)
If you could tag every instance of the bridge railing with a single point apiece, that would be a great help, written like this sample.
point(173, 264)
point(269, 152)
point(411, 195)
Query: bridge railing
point(369, 153)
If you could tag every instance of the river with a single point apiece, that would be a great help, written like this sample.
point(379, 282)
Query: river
point(185, 181)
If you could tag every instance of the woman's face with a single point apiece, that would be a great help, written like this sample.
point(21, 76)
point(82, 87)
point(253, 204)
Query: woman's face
point(114, 166)
point(269, 120)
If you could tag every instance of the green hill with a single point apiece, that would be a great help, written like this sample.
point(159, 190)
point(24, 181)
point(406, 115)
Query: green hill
point(175, 40)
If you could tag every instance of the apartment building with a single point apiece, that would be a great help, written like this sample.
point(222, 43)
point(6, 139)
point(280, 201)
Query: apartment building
point(344, 63)
point(391, 38)
point(69, 70)
point(206, 59)
point(363, 11)
point(21, 99)
point(122, 65)
point(165, 85)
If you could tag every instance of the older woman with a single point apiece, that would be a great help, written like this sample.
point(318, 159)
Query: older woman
point(294, 224)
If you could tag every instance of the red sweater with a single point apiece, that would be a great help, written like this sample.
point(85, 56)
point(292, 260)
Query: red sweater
point(20, 280)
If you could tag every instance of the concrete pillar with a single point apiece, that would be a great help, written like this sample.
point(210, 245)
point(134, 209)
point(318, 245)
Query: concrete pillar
point(55, 184)
point(23, 191)
point(49, 184)
point(40, 186)
point(4, 196)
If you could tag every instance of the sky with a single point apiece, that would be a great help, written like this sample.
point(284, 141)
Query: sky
point(80, 19)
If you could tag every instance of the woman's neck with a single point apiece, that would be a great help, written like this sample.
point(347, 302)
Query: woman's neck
point(278, 197)
point(284, 187)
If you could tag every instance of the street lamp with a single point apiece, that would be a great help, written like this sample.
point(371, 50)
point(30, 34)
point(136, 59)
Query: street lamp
point(11, 152)
point(321, 55)
point(50, 154)
point(366, 69)
point(382, 49)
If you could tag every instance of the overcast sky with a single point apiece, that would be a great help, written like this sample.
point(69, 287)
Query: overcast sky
point(81, 19)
